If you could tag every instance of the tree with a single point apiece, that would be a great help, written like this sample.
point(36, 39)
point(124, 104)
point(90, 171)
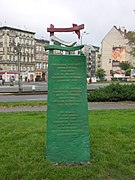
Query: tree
point(131, 38)
point(128, 72)
point(126, 66)
point(100, 74)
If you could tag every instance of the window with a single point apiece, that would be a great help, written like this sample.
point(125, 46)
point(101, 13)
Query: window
point(111, 72)
point(14, 58)
point(36, 48)
point(10, 58)
point(24, 68)
point(40, 66)
point(11, 68)
point(24, 58)
point(11, 39)
point(37, 65)
point(1, 44)
point(15, 68)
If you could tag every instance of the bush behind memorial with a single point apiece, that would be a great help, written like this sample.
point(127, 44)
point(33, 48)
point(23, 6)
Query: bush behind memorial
point(113, 93)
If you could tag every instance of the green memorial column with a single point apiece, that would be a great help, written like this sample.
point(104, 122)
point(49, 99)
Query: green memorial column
point(67, 113)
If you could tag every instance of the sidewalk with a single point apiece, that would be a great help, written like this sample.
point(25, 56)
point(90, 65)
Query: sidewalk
point(91, 106)
point(110, 105)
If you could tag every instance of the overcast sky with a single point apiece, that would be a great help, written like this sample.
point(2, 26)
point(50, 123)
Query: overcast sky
point(98, 16)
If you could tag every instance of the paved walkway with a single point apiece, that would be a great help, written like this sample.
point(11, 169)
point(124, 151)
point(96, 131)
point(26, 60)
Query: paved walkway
point(91, 106)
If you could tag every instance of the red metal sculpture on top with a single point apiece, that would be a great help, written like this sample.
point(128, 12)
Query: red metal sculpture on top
point(75, 28)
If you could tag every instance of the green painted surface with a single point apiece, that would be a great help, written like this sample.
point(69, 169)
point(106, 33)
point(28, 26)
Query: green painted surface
point(62, 48)
point(67, 115)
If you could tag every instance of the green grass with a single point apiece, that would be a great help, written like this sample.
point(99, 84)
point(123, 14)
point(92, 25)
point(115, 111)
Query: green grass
point(22, 150)
point(25, 103)
point(36, 103)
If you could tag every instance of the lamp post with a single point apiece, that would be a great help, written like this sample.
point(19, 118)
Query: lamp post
point(18, 50)
point(84, 33)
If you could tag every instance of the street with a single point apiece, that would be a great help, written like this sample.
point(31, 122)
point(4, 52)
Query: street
point(19, 98)
point(41, 86)
point(37, 86)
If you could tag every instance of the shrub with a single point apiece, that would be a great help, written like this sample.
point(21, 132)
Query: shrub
point(118, 79)
point(113, 93)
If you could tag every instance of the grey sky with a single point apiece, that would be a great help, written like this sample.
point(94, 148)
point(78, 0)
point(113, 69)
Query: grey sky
point(98, 16)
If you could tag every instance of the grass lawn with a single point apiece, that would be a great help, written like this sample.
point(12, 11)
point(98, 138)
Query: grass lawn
point(22, 147)
point(23, 103)
point(37, 103)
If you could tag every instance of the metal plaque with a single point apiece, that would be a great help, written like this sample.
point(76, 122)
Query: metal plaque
point(67, 114)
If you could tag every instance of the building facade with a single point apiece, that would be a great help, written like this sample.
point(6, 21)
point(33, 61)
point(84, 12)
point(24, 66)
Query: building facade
point(115, 49)
point(16, 46)
point(41, 60)
point(92, 57)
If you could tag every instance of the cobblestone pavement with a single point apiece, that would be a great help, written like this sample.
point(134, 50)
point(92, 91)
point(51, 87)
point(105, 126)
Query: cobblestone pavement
point(91, 106)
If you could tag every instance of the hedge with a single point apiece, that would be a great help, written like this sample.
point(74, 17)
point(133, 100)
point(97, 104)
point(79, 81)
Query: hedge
point(113, 93)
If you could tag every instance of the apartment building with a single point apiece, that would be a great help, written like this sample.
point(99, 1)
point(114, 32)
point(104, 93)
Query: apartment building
point(16, 45)
point(115, 49)
point(92, 58)
point(41, 60)
point(21, 54)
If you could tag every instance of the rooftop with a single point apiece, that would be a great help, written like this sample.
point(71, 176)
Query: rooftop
point(15, 29)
